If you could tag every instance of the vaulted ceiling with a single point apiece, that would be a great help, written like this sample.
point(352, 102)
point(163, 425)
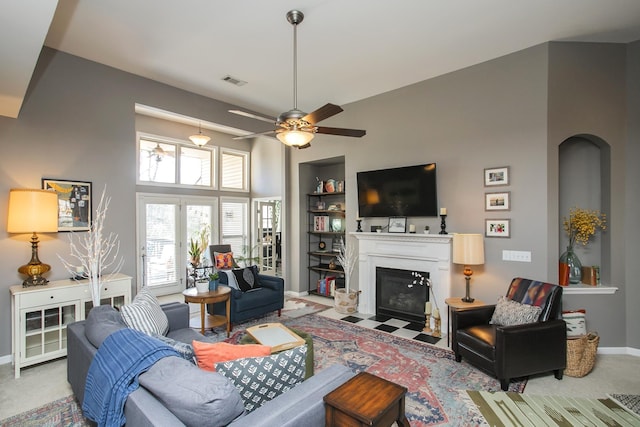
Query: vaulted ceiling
point(347, 49)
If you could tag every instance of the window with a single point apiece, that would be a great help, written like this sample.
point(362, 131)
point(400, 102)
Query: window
point(166, 161)
point(234, 229)
point(234, 170)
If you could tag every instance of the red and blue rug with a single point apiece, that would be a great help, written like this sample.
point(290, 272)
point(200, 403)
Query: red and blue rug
point(436, 383)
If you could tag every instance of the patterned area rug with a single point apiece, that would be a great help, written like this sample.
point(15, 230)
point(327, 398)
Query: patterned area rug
point(62, 412)
point(511, 409)
point(436, 383)
point(296, 307)
point(629, 401)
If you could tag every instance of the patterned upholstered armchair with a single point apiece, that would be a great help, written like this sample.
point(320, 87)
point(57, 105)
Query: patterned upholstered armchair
point(514, 350)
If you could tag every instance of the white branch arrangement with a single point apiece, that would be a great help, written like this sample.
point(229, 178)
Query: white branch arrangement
point(95, 252)
point(422, 281)
point(347, 258)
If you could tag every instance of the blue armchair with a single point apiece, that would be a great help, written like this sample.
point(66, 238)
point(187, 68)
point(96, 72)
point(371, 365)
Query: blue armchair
point(255, 303)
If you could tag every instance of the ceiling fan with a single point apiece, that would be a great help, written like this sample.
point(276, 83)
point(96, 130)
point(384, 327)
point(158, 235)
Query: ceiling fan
point(295, 127)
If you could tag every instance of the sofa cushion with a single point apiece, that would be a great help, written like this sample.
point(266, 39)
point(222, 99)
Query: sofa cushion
point(208, 354)
point(101, 322)
point(261, 379)
point(185, 350)
point(510, 313)
point(247, 278)
point(196, 397)
point(145, 314)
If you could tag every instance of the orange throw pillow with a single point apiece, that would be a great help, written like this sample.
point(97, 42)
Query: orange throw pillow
point(224, 260)
point(208, 354)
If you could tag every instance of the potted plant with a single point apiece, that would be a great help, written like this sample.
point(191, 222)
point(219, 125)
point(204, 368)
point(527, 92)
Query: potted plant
point(202, 285)
point(213, 281)
point(426, 229)
point(198, 246)
point(345, 300)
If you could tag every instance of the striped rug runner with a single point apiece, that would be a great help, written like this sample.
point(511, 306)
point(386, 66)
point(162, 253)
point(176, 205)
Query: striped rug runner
point(515, 409)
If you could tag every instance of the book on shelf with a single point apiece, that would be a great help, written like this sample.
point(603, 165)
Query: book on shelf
point(331, 286)
point(320, 223)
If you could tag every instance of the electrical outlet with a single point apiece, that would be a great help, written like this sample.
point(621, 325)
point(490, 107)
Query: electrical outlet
point(518, 256)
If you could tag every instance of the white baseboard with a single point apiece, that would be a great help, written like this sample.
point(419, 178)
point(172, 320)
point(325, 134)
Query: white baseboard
point(5, 359)
point(296, 294)
point(619, 350)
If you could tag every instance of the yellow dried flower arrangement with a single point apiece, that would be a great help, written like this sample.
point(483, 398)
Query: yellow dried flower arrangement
point(582, 224)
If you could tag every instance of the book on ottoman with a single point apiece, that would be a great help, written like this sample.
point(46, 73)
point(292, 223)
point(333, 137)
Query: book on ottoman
point(275, 335)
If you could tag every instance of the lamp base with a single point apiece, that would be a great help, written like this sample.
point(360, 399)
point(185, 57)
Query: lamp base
point(467, 278)
point(468, 299)
point(34, 281)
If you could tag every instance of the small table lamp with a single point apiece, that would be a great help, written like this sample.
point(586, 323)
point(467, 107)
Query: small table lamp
point(468, 249)
point(33, 211)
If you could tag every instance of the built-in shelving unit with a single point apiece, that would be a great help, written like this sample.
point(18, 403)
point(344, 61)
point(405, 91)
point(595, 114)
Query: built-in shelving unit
point(326, 226)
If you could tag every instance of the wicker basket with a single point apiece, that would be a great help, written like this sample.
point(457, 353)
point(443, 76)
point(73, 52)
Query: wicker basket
point(581, 355)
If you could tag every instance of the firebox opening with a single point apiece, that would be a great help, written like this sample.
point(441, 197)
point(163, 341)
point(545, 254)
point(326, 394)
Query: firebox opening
point(401, 294)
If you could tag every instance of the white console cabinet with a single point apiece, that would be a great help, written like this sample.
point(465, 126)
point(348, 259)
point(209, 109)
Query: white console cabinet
point(40, 315)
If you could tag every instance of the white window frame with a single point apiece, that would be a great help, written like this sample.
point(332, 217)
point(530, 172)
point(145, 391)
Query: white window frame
point(245, 173)
point(215, 168)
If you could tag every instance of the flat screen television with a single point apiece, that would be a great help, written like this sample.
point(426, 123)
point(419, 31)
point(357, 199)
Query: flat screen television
point(405, 191)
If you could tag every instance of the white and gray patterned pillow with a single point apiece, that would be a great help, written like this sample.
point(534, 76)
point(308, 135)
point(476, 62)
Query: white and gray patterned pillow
point(145, 314)
point(511, 313)
point(185, 350)
point(261, 379)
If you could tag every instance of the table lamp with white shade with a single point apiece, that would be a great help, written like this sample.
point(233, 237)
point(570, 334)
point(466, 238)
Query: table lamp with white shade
point(468, 249)
point(33, 211)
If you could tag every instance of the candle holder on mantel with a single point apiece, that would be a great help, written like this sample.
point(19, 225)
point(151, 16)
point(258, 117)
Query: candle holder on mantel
point(443, 224)
point(359, 221)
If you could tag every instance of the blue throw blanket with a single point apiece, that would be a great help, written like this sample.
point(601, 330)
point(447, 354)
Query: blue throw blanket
point(114, 371)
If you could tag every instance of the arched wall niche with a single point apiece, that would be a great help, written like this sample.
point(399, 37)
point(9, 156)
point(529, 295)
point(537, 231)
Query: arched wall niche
point(585, 181)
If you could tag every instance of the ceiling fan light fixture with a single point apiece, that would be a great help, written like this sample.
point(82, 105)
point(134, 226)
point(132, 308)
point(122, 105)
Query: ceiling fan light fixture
point(199, 139)
point(295, 138)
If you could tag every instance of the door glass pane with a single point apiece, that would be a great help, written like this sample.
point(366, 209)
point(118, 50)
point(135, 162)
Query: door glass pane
point(198, 220)
point(160, 244)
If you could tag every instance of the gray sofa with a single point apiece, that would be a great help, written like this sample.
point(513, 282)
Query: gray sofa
point(302, 405)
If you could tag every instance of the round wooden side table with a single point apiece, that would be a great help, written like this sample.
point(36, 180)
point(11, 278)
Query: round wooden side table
point(208, 321)
point(454, 304)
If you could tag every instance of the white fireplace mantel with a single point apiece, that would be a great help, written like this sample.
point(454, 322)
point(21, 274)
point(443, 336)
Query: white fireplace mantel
point(421, 252)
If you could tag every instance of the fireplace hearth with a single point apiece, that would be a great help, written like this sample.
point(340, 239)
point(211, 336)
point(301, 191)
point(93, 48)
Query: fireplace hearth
point(399, 295)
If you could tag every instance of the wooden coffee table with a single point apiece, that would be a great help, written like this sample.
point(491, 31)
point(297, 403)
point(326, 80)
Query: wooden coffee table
point(208, 321)
point(366, 400)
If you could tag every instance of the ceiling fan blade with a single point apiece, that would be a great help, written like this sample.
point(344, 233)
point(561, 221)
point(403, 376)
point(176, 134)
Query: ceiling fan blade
point(253, 135)
point(252, 116)
point(357, 133)
point(322, 113)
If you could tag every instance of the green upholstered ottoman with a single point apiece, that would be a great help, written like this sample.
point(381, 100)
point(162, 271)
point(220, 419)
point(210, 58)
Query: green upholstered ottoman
point(308, 339)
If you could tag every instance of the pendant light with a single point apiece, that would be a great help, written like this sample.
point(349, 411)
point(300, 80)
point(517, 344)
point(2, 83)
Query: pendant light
point(199, 139)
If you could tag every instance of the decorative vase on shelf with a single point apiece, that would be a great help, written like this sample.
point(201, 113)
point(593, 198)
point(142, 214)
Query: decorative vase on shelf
point(570, 268)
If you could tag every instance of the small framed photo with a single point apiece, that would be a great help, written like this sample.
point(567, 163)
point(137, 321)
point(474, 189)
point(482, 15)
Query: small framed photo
point(398, 224)
point(336, 225)
point(74, 203)
point(497, 228)
point(494, 177)
point(497, 201)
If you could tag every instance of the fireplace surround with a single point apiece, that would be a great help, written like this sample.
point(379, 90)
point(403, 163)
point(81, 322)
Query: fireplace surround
point(414, 252)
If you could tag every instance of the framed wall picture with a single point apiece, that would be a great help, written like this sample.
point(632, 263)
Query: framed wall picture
point(74, 203)
point(496, 176)
point(398, 224)
point(497, 201)
point(497, 228)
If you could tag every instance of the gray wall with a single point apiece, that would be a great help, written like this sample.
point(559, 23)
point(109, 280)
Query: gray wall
point(78, 122)
point(632, 196)
point(512, 111)
point(587, 97)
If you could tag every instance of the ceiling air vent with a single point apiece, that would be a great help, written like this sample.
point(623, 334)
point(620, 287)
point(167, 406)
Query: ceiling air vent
point(234, 81)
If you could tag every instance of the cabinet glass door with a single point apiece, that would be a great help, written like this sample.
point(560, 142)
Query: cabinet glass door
point(45, 329)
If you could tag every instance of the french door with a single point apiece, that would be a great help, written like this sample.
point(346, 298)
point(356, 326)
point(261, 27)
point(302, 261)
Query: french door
point(165, 225)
